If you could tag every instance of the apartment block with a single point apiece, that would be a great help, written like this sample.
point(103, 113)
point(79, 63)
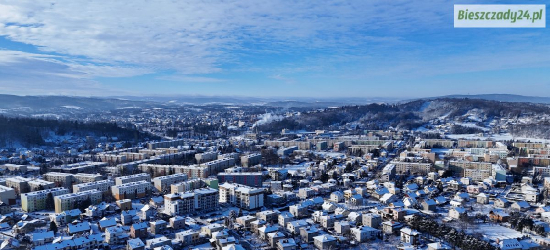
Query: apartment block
point(131, 190)
point(253, 179)
point(19, 184)
point(35, 201)
point(431, 143)
point(242, 196)
point(302, 145)
point(477, 174)
point(203, 200)
point(85, 178)
point(7, 195)
point(163, 183)
point(233, 156)
point(475, 144)
point(459, 168)
point(216, 166)
point(402, 167)
point(205, 157)
point(251, 160)
point(71, 201)
point(187, 186)
point(80, 167)
point(133, 178)
point(103, 186)
point(38, 184)
point(166, 144)
point(60, 179)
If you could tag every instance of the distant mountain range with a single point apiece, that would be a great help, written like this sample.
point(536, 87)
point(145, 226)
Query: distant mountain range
point(67, 102)
point(284, 102)
point(25, 105)
point(501, 98)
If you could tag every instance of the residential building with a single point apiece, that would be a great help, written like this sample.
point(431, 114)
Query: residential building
point(188, 238)
point(372, 220)
point(60, 179)
point(103, 186)
point(162, 183)
point(19, 184)
point(35, 201)
point(242, 196)
point(203, 200)
point(132, 190)
point(70, 201)
point(365, 233)
point(39, 184)
point(253, 179)
point(324, 242)
point(7, 195)
point(251, 160)
point(115, 236)
point(132, 178)
point(158, 227)
point(139, 230)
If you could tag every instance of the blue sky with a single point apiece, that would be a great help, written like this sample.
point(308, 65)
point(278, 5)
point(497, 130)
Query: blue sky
point(263, 48)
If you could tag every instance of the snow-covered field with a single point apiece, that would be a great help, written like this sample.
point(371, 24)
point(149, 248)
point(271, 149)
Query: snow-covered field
point(493, 232)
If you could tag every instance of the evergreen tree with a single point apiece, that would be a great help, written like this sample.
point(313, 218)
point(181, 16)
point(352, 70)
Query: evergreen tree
point(49, 202)
point(53, 227)
point(335, 175)
point(324, 177)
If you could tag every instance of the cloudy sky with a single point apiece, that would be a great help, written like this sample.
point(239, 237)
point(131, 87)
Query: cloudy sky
point(374, 48)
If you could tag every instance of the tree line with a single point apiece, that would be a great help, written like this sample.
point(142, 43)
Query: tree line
point(33, 131)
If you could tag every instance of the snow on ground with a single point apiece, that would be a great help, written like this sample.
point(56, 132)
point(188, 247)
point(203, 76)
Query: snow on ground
point(71, 107)
point(424, 106)
point(493, 232)
point(55, 116)
point(440, 150)
point(331, 154)
point(472, 125)
point(52, 137)
point(498, 137)
point(137, 206)
point(444, 116)
point(421, 129)
point(203, 246)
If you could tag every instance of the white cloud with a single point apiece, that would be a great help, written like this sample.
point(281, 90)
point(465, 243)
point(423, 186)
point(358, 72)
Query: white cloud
point(195, 37)
point(283, 78)
point(190, 79)
point(32, 74)
point(78, 41)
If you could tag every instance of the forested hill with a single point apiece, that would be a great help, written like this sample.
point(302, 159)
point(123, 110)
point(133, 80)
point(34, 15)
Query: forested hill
point(521, 119)
point(30, 132)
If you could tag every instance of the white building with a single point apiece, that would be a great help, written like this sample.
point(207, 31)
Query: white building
point(201, 200)
point(7, 195)
point(242, 196)
point(133, 178)
point(102, 186)
point(365, 233)
point(162, 183)
point(70, 201)
point(134, 190)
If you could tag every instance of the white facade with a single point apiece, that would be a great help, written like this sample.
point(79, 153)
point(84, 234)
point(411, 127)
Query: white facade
point(241, 196)
point(132, 178)
point(102, 186)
